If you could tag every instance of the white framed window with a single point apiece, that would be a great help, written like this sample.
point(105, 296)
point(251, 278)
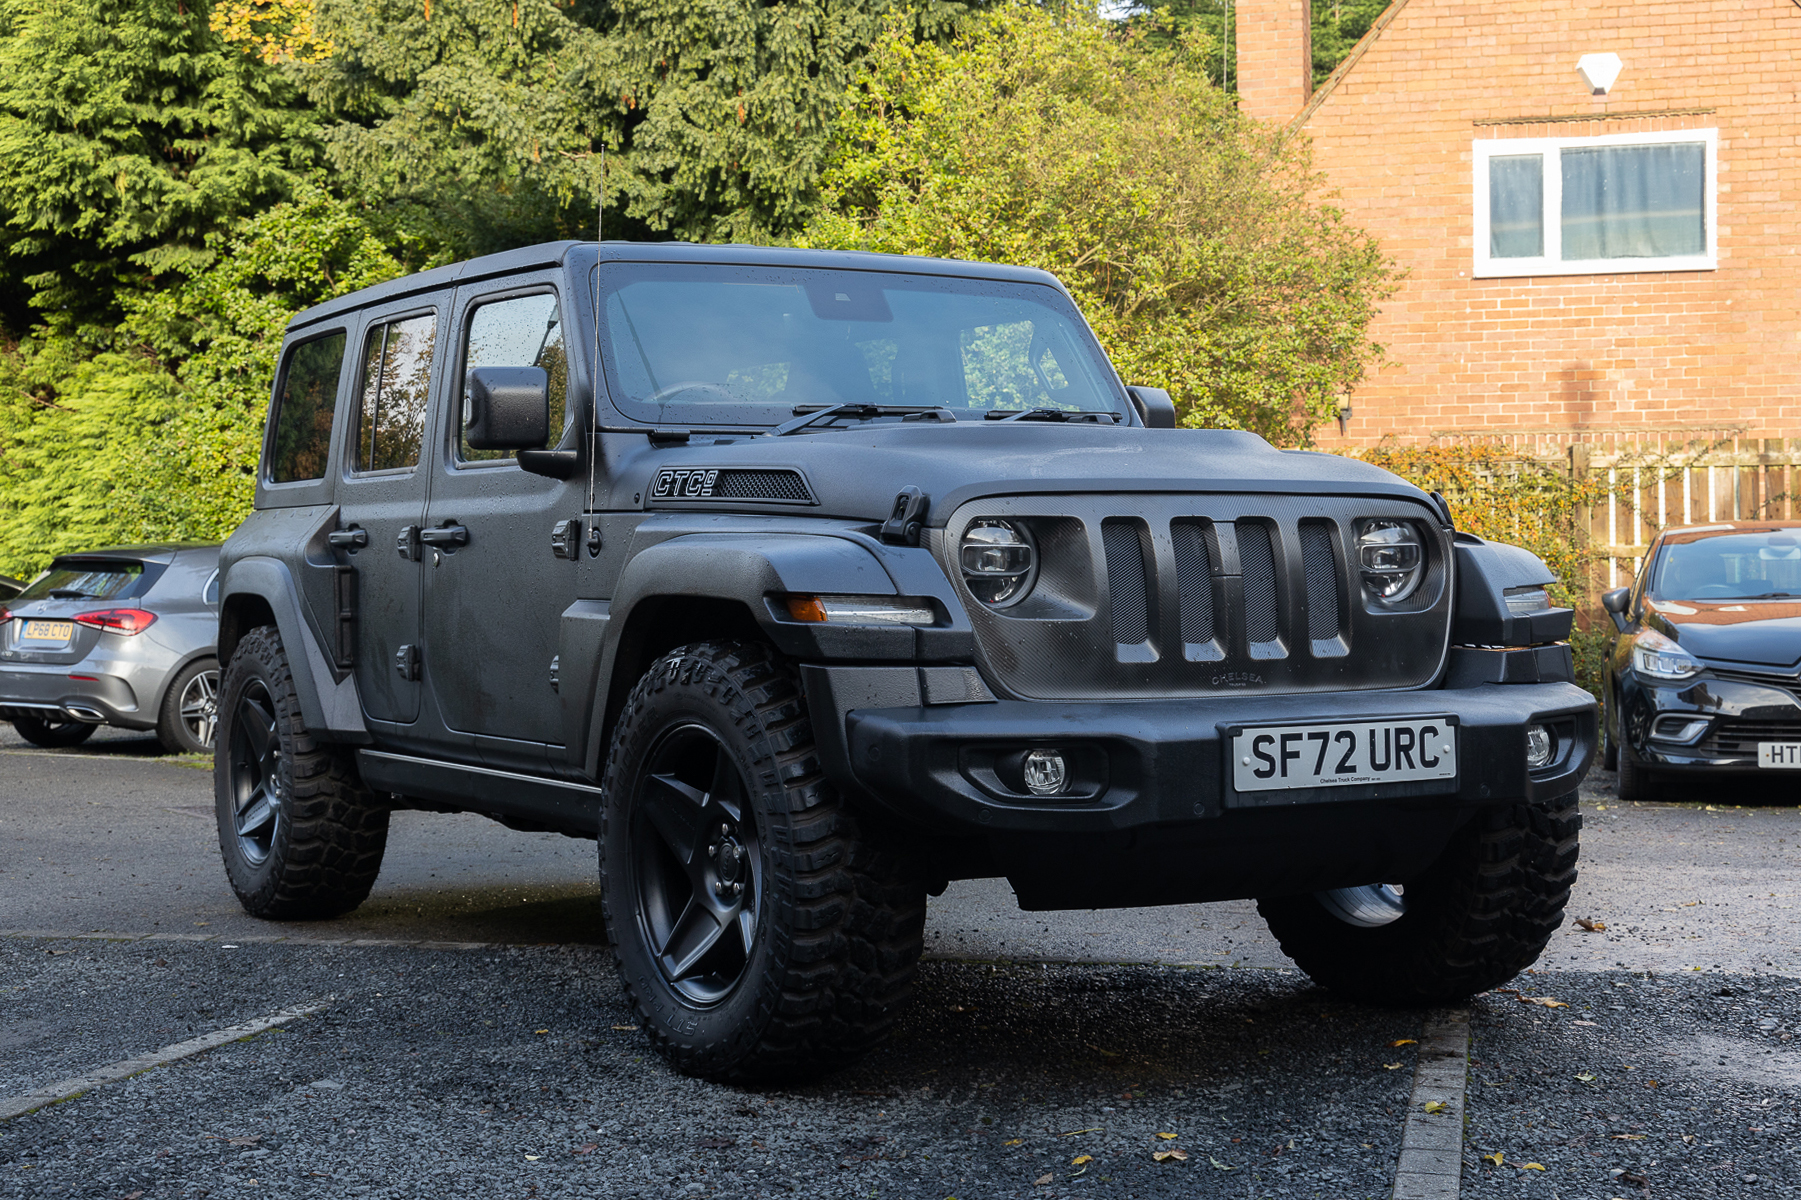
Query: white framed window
point(1595, 205)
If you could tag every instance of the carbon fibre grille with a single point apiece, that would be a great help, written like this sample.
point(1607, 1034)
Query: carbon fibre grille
point(1738, 736)
point(1194, 582)
point(1257, 560)
point(1126, 582)
point(743, 484)
point(1322, 581)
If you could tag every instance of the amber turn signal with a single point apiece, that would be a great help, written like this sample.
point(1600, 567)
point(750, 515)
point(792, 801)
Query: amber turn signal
point(806, 608)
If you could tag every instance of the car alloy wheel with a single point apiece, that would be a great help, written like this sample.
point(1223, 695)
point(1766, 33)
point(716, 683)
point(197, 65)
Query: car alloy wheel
point(255, 774)
point(199, 706)
point(699, 864)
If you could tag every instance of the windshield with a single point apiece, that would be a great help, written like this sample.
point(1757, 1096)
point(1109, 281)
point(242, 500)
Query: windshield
point(1735, 566)
point(752, 345)
point(84, 581)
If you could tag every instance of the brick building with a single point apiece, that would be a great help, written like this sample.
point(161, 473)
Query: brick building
point(1590, 253)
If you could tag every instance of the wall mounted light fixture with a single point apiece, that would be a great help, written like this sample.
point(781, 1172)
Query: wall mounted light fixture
point(1599, 71)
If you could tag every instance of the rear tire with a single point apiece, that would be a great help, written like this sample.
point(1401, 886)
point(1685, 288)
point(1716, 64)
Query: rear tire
point(1636, 782)
point(1474, 919)
point(53, 735)
point(190, 714)
point(301, 836)
point(759, 934)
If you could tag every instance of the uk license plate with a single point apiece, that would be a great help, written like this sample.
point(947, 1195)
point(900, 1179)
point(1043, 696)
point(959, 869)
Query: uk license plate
point(1273, 757)
point(47, 631)
point(1780, 755)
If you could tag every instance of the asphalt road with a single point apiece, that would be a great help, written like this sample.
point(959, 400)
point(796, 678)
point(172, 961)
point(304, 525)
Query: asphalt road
point(1036, 1039)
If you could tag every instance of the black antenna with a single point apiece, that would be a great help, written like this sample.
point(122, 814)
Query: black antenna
point(600, 211)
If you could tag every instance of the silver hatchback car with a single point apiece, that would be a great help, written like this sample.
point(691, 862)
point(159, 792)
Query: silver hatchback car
point(121, 637)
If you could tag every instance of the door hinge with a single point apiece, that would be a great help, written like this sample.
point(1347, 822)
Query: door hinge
point(345, 592)
point(406, 663)
point(407, 542)
point(566, 539)
point(556, 668)
point(907, 518)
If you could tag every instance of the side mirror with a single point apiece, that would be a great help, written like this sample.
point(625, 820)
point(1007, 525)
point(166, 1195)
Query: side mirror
point(1154, 406)
point(507, 408)
point(1615, 603)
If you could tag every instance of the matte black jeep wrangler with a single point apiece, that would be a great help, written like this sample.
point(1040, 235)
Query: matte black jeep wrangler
point(808, 582)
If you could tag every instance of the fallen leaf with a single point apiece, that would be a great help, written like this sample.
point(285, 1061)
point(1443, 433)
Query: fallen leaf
point(1166, 1155)
point(1218, 1165)
point(1532, 1166)
point(626, 1028)
point(1589, 1023)
point(1392, 1066)
point(1042, 1179)
point(1592, 926)
point(1405, 1042)
point(1079, 1159)
point(586, 1148)
point(1168, 1137)
point(1585, 1077)
point(1014, 1142)
point(1628, 1137)
point(1633, 1179)
point(1495, 1158)
point(1434, 1106)
point(540, 1031)
point(533, 1157)
point(1651, 1083)
point(1073, 1132)
point(244, 1141)
point(1543, 1001)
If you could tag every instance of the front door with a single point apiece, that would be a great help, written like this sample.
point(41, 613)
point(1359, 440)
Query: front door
point(383, 494)
point(494, 589)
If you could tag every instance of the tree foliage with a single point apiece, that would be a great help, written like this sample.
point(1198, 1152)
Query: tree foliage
point(1186, 233)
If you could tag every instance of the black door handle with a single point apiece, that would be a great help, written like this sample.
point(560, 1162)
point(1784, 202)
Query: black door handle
point(445, 535)
point(348, 539)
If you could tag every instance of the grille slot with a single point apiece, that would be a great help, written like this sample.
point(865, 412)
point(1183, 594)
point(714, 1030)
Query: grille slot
point(745, 484)
point(1322, 582)
point(1741, 736)
point(1126, 582)
point(1194, 580)
point(1257, 563)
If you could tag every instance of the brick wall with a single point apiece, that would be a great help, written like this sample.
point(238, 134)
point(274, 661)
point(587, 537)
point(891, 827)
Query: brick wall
point(1575, 356)
point(1275, 57)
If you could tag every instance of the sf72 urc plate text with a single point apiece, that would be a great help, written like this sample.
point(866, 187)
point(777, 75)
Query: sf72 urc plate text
point(1274, 757)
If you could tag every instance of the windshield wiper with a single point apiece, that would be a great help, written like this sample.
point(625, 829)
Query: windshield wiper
point(860, 412)
point(70, 594)
point(1773, 596)
point(1050, 414)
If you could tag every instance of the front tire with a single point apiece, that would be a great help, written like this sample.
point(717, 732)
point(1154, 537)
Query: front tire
point(1477, 917)
point(1636, 782)
point(301, 836)
point(53, 735)
point(190, 714)
point(758, 933)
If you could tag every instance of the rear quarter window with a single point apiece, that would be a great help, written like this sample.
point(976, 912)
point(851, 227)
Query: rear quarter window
point(304, 407)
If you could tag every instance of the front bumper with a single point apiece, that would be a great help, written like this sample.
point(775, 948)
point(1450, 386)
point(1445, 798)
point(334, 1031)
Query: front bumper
point(1738, 713)
point(1162, 822)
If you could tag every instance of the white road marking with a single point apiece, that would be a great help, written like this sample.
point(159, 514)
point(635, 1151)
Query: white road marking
point(18, 1106)
point(1431, 1165)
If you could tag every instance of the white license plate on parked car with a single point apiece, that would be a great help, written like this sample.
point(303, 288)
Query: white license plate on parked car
point(1780, 755)
point(47, 631)
point(1272, 757)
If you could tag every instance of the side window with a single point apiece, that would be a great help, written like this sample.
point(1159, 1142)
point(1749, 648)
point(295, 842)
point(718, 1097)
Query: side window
point(524, 331)
point(303, 410)
point(396, 385)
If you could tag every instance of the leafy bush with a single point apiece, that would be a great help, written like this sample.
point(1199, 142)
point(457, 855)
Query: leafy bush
point(1187, 234)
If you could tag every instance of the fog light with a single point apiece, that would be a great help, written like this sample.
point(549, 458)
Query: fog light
point(1540, 746)
point(1046, 774)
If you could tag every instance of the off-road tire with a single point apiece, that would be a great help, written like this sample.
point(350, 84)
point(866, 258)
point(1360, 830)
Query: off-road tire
point(325, 853)
point(171, 730)
point(1477, 917)
point(1636, 781)
point(53, 735)
point(842, 922)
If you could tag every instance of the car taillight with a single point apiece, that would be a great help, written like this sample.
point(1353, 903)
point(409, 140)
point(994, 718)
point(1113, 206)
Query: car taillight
point(118, 620)
point(6, 614)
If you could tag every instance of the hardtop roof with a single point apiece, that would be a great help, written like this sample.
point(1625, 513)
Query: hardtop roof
point(579, 256)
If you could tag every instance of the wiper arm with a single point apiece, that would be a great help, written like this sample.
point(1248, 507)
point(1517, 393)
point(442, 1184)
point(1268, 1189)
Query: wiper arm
point(1774, 596)
point(70, 594)
point(1050, 414)
point(861, 412)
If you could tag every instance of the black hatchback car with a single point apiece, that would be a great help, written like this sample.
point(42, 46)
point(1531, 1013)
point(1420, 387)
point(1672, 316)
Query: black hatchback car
point(1705, 675)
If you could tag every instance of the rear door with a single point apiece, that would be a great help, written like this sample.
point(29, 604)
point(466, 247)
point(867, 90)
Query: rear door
point(383, 493)
point(494, 589)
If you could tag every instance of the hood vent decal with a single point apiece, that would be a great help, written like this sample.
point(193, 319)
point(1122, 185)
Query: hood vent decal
point(764, 485)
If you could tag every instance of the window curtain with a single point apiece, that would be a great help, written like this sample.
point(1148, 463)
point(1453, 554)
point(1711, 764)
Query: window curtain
point(1634, 201)
point(1516, 206)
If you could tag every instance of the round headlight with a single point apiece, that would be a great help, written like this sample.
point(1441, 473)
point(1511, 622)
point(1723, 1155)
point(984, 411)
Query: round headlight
point(1391, 558)
point(998, 561)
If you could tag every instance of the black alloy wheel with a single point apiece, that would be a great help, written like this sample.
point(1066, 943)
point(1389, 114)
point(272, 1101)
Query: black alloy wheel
point(255, 774)
point(700, 864)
